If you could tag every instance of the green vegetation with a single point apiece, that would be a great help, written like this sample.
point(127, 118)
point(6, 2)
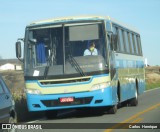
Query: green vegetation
point(152, 85)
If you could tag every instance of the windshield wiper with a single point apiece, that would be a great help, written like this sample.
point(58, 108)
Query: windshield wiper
point(74, 63)
point(46, 71)
point(50, 61)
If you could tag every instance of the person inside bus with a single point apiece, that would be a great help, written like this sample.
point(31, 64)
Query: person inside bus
point(91, 50)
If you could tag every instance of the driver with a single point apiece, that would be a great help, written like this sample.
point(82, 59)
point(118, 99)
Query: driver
point(91, 50)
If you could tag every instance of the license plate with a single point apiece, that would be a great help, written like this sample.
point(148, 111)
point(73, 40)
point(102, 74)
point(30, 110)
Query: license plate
point(66, 99)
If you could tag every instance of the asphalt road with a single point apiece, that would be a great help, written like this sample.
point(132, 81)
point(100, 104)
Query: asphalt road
point(147, 111)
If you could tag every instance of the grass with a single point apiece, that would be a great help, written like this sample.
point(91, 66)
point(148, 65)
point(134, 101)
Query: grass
point(152, 85)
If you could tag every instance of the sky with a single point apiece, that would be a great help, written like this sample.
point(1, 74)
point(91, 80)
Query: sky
point(142, 14)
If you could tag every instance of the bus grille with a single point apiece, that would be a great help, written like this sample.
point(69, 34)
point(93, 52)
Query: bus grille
point(77, 101)
point(64, 81)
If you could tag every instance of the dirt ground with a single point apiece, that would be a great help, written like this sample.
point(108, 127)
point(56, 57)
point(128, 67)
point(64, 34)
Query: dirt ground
point(152, 74)
point(14, 80)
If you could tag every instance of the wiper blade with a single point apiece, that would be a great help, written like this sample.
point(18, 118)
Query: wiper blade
point(76, 65)
point(50, 62)
point(46, 71)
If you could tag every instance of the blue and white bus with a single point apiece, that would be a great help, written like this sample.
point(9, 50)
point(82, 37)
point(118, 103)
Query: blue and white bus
point(59, 76)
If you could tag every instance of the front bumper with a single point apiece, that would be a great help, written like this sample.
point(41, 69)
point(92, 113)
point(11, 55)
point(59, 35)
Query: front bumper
point(95, 98)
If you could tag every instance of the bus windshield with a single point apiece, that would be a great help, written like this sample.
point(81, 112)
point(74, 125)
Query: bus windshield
point(70, 49)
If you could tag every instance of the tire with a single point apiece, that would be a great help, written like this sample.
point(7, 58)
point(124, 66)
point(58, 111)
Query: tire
point(134, 101)
point(119, 104)
point(50, 114)
point(113, 109)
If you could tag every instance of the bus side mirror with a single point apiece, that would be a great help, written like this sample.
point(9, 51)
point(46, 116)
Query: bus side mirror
point(114, 39)
point(18, 49)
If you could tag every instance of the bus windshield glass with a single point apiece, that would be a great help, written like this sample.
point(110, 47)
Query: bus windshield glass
point(70, 49)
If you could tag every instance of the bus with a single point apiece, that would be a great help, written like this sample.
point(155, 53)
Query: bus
point(58, 75)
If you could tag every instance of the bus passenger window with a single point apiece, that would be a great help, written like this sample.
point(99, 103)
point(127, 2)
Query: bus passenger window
point(136, 46)
point(131, 41)
point(122, 49)
point(126, 42)
point(139, 45)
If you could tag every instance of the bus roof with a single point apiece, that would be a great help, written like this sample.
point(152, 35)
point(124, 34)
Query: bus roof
point(81, 18)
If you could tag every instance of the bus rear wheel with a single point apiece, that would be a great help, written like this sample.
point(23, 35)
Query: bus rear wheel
point(134, 101)
point(50, 114)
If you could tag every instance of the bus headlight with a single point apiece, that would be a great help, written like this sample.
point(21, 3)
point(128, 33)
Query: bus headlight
point(100, 86)
point(32, 91)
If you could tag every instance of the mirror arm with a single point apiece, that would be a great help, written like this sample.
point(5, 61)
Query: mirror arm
point(22, 60)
